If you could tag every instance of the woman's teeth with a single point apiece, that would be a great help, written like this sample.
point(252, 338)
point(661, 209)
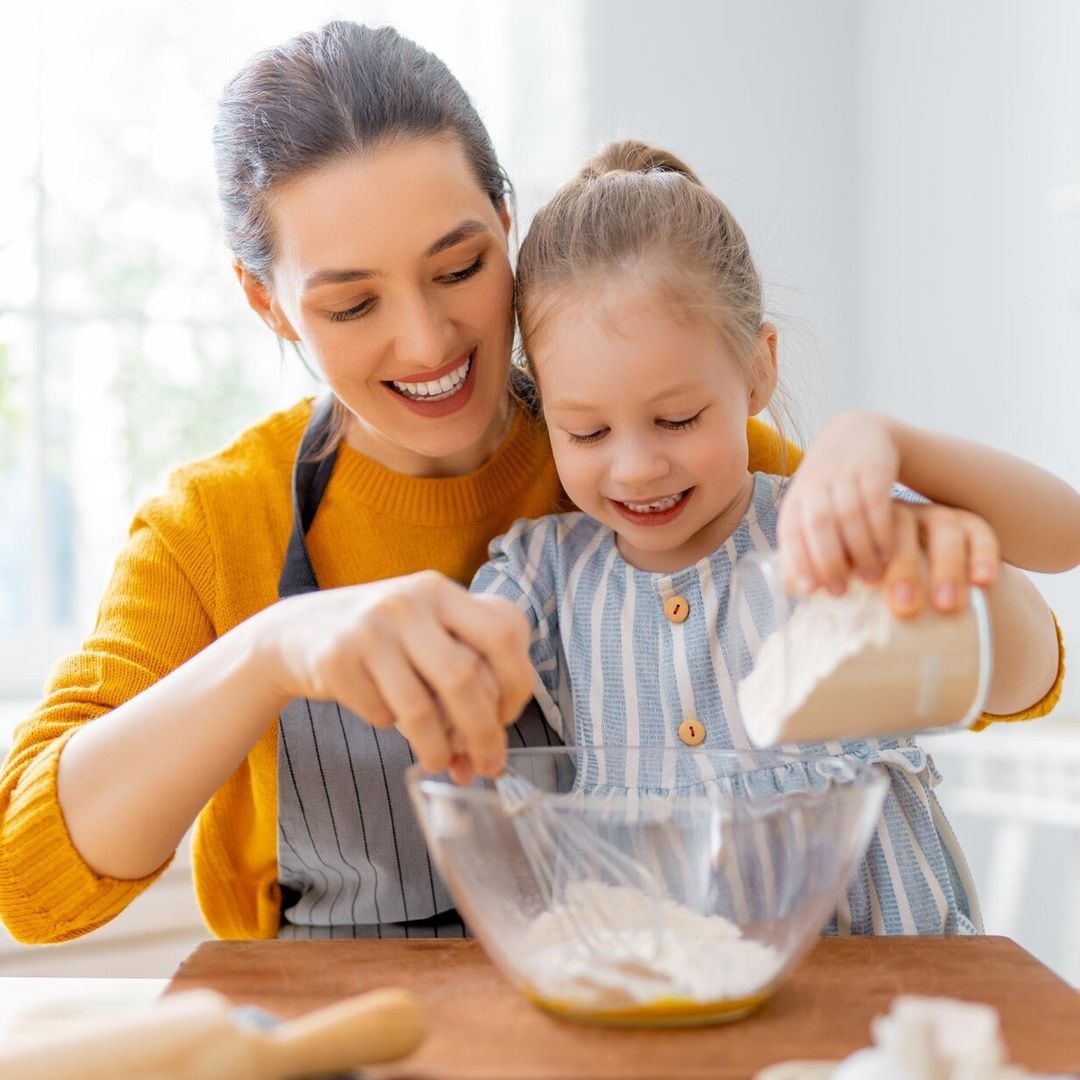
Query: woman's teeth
point(437, 389)
point(655, 507)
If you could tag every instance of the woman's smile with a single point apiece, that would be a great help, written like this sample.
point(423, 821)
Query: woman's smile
point(439, 392)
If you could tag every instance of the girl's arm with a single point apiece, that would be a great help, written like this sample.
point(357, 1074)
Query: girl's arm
point(837, 517)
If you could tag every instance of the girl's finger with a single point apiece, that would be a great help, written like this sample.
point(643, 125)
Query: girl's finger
point(824, 545)
point(984, 553)
point(945, 541)
point(903, 582)
point(876, 497)
point(859, 546)
point(796, 569)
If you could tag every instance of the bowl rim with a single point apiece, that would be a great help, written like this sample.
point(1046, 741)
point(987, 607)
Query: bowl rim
point(865, 775)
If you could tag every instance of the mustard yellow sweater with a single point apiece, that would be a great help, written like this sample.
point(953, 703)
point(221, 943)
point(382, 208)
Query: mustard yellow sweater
point(200, 559)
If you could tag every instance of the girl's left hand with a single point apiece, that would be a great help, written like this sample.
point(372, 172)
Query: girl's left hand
point(839, 519)
point(938, 552)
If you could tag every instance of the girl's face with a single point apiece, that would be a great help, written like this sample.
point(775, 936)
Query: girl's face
point(647, 416)
point(392, 271)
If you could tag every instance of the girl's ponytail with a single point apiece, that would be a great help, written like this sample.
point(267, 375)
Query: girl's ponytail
point(634, 156)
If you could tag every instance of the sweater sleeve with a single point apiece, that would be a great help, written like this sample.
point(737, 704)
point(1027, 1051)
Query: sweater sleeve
point(152, 618)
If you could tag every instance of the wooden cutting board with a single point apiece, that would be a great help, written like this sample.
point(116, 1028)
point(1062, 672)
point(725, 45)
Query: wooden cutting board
point(481, 1029)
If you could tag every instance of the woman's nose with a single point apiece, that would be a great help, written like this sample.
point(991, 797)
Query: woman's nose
point(423, 335)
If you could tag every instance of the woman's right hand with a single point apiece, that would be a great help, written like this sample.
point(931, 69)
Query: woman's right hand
point(448, 668)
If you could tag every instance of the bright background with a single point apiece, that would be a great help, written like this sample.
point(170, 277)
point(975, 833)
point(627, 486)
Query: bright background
point(908, 174)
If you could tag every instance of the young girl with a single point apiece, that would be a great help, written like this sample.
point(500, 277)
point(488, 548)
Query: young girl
point(641, 316)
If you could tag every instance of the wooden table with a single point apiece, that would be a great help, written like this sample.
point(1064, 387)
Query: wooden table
point(481, 1029)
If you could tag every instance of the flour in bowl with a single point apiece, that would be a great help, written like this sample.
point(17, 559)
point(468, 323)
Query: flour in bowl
point(653, 950)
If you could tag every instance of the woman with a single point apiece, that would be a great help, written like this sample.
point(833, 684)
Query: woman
point(367, 213)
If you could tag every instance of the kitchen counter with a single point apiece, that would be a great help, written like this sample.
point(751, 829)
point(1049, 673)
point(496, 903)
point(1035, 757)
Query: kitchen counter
point(481, 1029)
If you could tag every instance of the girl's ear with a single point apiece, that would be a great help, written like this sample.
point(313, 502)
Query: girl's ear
point(262, 302)
point(765, 369)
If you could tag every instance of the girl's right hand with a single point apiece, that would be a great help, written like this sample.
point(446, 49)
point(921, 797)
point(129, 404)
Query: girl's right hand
point(448, 668)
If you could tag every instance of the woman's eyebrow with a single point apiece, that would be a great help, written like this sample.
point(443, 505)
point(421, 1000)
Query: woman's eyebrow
point(456, 235)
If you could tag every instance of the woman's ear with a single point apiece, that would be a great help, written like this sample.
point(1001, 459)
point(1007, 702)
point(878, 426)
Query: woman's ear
point(262, 302)
point(504, 217)
point(764, 369)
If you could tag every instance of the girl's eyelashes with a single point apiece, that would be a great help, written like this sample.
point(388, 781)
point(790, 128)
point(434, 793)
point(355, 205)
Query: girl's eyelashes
point(669, 425)
point(591, 437)
point(453, 278)
point(681, 425)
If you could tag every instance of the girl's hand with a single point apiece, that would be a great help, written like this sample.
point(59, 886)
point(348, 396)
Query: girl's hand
point(938, 553)
point(837, 515)
point(449, 669)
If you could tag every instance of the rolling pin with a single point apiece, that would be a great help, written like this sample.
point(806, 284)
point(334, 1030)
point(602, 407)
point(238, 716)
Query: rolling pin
point(194, 1036)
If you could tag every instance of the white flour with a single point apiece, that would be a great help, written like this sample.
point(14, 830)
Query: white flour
point(696, 958)
point(821, 634)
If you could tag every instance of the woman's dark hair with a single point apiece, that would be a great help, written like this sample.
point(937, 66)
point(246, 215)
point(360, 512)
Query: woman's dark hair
point(344, 89)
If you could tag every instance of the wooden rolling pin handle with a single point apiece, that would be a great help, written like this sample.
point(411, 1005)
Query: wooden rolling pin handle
point(381, 1025)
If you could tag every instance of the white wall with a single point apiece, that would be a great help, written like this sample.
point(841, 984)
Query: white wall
point(968, 259)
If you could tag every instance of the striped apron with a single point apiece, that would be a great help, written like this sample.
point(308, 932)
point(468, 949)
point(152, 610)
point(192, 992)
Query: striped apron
point(352, 861)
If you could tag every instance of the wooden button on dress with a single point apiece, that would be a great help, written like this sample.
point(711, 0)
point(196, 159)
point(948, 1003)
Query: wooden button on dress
point(676, 609)
point(692, 732)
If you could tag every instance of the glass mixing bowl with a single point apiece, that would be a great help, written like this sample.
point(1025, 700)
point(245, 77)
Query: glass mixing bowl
point(650, 886)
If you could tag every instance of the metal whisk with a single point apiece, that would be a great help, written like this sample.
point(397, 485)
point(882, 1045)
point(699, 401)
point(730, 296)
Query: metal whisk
point(562, 847)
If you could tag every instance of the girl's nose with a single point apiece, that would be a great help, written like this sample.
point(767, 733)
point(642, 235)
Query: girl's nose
point(637, 463)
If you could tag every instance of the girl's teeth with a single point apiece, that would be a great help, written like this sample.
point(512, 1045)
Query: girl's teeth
point(654, 507)
point(436, 388)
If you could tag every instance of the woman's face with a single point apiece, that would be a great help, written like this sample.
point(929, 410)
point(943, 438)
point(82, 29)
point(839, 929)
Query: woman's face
point(392, 271)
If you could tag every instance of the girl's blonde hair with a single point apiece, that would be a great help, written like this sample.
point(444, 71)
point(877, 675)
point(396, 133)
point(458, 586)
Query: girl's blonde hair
point(636, 210)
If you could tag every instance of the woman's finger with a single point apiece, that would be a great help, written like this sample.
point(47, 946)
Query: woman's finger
point(415, 709)
point(903, 581)
point(461, 682)
point(499, 632)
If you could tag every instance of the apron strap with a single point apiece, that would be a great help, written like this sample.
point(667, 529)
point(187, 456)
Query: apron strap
point(311, 474)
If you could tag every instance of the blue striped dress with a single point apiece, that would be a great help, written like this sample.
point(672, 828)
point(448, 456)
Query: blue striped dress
point(612, 670)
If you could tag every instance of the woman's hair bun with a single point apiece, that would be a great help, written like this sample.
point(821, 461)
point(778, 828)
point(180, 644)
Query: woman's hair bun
point(634, 156)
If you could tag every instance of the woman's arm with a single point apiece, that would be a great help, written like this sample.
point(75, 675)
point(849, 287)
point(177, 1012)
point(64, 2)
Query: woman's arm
point(414, 652)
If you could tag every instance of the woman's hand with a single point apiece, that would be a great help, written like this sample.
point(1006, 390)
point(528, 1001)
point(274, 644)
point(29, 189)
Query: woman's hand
point(448, 668)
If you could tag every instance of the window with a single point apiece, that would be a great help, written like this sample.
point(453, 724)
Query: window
point(125, 345)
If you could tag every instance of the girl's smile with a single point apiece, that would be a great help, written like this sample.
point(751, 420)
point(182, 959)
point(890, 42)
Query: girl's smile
point(652, 512)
